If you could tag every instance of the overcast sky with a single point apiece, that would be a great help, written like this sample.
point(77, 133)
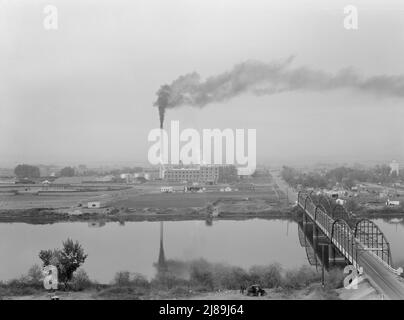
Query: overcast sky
point(84, 93)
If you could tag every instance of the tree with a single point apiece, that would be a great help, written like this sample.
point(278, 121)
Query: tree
point(26, 171)
point(352, 205)
point(67, 172)
point(66, 260)
point(348, 183)
point(141, 179)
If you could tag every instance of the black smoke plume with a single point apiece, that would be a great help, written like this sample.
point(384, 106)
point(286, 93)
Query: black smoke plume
point(265, 79)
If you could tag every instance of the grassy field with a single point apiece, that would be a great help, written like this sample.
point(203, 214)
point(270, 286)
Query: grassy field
point(186, 200)
point(144, 200)
point(55, 201)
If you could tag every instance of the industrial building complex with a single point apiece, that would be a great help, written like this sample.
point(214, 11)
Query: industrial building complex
point(208, 174)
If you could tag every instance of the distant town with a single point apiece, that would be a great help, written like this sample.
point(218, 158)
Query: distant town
point(130, 189)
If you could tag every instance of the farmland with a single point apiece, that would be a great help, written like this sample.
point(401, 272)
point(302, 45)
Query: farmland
point(142, 200)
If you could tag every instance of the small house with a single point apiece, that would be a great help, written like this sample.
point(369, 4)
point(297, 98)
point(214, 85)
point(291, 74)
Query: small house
point(166, 189)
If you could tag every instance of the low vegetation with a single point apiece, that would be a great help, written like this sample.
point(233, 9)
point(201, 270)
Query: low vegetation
point(32, 283)
point(173, 279)
point(181, 279)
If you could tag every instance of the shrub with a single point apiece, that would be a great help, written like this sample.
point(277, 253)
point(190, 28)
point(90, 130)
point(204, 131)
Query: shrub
point(127, 279)
point(139, 280)
point(167, 281)
point(201, 274)
point(352, 205)
point(228, 277)
point(334, 279)
point(81, 281)
point(35, 275)
point(267, 276)
point(122, 278)
point(18, 287)
point(300, 278)
point(179, 269)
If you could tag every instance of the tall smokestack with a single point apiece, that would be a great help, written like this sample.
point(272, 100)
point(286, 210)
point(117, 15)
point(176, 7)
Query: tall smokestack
point(163, 102)
point(161, 114)
point(162, 150)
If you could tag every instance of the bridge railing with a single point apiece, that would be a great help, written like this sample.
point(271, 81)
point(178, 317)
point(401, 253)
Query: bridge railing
point(397, 271)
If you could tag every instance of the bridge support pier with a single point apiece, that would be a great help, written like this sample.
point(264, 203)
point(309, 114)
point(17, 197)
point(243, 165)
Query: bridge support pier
point(315, 234)
point(331, 254)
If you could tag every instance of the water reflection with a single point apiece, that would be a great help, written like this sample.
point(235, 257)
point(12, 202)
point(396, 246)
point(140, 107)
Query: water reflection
point(96, 224)
point(162, 263)
point(318, 249)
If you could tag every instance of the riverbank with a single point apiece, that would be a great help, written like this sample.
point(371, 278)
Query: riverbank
point(112, 214)
point(48, 215)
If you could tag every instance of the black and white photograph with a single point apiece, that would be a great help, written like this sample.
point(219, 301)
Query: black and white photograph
point(205, 155)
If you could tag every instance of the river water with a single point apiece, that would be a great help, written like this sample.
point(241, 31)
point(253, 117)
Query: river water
point(135, 246)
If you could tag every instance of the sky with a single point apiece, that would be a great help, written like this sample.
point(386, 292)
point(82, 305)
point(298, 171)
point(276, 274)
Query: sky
point(84, 93)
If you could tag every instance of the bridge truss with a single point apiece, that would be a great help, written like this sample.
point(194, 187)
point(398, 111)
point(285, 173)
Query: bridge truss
point(348, 236)
point(373, 239)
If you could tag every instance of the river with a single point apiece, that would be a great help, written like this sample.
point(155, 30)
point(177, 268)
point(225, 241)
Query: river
point(135, 246)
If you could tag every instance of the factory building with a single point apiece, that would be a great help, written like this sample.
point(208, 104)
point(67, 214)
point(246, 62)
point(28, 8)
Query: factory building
point(202, 174)
point(208, 174)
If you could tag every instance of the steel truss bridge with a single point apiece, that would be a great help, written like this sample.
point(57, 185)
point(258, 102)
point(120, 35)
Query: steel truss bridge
point(359, 241)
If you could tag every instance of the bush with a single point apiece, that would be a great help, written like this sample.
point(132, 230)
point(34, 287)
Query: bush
point(177, 268)
point(18, 287)
point(33, 279)
point(267, 276)
point(34, 275)
point(334, 279)
point(300, 278)
point(139, 280)
point(167, 281)
point(228, 277)
point(122, 278)
point(81, 281)
point(127, 279)
point(352, 205)
point(201, 274)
